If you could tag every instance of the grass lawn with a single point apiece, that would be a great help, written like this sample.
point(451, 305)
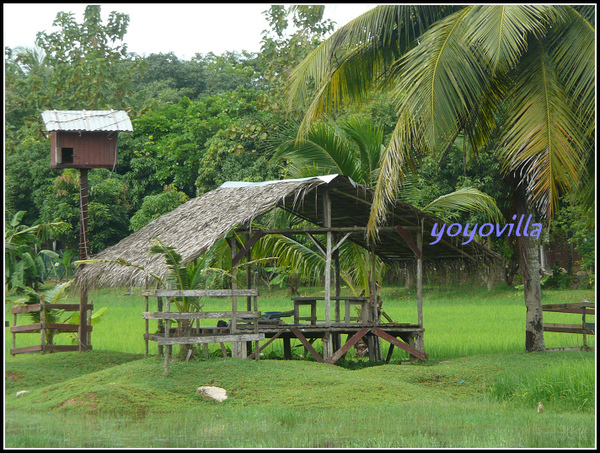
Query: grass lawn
point(478, 390)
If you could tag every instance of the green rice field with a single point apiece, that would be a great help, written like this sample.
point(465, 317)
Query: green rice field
point(479, 388)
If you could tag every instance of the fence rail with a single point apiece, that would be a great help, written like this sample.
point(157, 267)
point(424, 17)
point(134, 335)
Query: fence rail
point(166, 340)
point(43, 327)
point(583, 308)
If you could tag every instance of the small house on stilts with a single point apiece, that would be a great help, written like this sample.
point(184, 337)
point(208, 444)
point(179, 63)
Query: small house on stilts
point(337, 209)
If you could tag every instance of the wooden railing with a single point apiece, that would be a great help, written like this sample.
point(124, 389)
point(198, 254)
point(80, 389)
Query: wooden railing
point(43, 327)
point(583, 308)
point(165, 337)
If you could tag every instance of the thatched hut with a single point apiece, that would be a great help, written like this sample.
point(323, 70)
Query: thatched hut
point(338, 208)
point(198, 224)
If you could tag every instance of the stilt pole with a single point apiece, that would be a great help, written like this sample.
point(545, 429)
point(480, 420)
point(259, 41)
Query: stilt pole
point(83, 255)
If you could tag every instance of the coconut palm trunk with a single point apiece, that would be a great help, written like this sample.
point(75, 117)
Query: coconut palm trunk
point(525, 71)
point(529, 262)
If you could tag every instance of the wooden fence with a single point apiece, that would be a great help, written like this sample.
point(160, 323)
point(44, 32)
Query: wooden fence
point(43, 327)
point(583, 308)
point(167, 337)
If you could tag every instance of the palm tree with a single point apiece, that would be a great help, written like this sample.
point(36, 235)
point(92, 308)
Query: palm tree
point(352, 147)
point(523, 73)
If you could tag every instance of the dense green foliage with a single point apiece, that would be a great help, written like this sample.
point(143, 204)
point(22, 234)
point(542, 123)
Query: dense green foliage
point(201, 122)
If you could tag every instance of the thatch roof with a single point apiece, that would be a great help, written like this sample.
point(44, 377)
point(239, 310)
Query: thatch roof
point(198, 224)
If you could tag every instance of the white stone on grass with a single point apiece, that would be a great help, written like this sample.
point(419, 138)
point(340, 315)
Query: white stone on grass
point(213, 393)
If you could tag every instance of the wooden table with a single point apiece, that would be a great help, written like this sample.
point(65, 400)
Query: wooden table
point(311, 301)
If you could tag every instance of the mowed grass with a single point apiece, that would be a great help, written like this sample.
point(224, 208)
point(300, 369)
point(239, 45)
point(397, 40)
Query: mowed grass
point(478, 390)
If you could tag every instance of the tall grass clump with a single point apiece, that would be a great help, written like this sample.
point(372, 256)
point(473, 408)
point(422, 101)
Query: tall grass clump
point(563, 383)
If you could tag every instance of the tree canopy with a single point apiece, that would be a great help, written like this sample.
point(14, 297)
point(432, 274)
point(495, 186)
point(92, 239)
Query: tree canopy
point(417, 101)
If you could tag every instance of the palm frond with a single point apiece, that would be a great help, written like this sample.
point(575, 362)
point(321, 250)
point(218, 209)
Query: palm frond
point(288, 252)
point(368, 139)
point(574, 53)
point(500, 32)
point(356, 57)
point(441, 81)
point(466, 199)
point(543, 144)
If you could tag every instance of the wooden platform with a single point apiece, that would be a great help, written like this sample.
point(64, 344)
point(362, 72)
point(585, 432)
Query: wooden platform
point(400, 335)
point(251, 326)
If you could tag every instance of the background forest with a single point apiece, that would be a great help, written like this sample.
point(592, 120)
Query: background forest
point(200, 122)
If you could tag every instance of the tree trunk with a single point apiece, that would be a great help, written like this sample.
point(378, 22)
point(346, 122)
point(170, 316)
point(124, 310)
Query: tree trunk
point(529, 263)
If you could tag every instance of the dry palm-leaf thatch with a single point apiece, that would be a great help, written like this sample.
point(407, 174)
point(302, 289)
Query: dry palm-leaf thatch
point(191, 229)
point(195, 226)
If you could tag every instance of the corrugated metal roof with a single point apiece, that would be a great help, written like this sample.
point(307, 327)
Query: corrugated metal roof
point(87, 120)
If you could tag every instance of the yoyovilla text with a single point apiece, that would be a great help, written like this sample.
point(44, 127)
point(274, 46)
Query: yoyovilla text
point(487, 229)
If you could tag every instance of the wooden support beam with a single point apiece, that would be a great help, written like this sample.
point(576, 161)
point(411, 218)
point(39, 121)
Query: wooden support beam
point(317, 244)
point(201, 315)
point(246, 247)
point(201, 293)
point(271, 340)
point(415, 248)
point(320, 230)
point(47, 325)
point(393, 340)
point(340, 242)
point(389, 354)
point(306, 344)
point(344, 349)
point(233, 338)
point(38, 307)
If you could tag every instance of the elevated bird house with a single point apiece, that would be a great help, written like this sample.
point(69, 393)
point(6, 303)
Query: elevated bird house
point(85, 138)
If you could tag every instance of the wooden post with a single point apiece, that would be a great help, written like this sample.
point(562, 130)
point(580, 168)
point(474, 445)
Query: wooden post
point(373, 289)
point(168, 348)
point(248, 273)
point(327, 349)
point(238, 349)
point(42, 324)
point(82, 320)
point(147, 322)
point(287, 348)
point(83, 254)
point(249, 286)
point(14, 334)
point(89, 323)
point(419, 339)
point(583, 324)
point(374, 343)
point(161, 323)
point(337, 282)
point(255, 298)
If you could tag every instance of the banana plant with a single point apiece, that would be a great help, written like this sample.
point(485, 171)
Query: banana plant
point(24, 263)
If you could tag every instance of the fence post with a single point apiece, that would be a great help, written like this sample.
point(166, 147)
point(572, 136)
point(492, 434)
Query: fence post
point(43, 324)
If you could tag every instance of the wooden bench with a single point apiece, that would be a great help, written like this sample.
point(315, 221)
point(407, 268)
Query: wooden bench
point(348, 302)
point(583, 308)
